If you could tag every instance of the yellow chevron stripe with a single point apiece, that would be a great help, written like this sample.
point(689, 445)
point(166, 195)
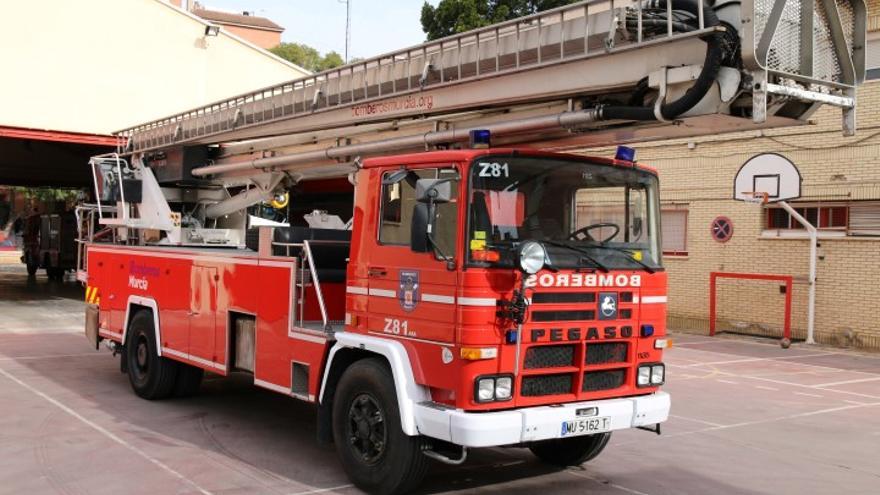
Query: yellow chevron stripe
point(89, 294)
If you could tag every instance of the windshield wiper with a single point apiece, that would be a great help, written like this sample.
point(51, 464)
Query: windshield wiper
point(648, 268)
point(586, 255)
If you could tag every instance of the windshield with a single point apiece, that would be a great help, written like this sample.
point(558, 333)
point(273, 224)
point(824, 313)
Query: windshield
point(587, 215)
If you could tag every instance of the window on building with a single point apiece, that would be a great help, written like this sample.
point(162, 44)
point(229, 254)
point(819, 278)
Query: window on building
point(674, 231)
point(841, 218)
point(872, 60)
point(398, 201)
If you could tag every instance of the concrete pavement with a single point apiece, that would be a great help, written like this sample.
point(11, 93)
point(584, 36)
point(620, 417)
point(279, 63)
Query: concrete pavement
point(748, 418)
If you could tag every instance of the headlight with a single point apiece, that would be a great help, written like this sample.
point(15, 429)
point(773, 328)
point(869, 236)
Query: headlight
point(531, 257)
point(651, 375)
point(486, 390)
point(644, 376)
point(503, 388)
point(494, 388)
point(658, 374)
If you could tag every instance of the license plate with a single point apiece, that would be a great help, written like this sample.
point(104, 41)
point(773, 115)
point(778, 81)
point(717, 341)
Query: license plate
point(585, 426)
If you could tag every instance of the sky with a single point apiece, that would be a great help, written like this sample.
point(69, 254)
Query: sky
point(377, 26)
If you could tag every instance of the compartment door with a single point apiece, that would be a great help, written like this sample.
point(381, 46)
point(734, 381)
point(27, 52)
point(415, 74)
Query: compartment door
point(203, 312)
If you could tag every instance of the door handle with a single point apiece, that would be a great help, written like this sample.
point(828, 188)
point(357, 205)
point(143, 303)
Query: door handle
point(377, 272)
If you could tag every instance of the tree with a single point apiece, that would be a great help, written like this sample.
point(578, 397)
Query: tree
point(457, 16)
point(307, 57)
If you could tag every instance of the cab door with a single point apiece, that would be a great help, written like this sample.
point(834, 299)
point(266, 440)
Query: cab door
point(412, 295)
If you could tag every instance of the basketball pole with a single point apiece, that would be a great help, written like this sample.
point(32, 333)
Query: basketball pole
point(814, 252)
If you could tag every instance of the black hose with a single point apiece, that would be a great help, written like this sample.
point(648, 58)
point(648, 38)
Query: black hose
point(715, 54)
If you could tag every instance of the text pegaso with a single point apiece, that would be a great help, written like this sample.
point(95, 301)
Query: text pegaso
point(583, 280)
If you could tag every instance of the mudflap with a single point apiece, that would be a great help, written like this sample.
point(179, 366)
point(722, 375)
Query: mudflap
point(92, 313)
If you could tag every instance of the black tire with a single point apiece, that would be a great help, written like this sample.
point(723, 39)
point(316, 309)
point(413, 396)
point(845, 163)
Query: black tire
point(375, 452)
point(152, 377)
point(571, 451)
point(32, 269)
point(189, 380)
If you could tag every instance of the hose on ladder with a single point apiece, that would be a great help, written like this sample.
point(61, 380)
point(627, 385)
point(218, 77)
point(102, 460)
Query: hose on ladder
point(717, 52)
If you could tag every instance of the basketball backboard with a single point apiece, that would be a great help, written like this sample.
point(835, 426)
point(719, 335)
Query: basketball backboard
point(769, 175)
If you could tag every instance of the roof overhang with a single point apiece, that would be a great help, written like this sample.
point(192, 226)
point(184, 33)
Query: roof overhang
point(57, 136)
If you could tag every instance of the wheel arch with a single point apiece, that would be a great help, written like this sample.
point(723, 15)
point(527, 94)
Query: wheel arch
point(352, 347)
point(138, 303)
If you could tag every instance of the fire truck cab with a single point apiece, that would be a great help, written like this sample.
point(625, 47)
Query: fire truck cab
point(481, 298)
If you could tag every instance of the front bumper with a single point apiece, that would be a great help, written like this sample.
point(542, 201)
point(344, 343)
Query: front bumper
point(488, 429)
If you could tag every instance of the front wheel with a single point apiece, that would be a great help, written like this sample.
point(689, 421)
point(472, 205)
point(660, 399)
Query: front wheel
point(571, 451)
point(375, 452)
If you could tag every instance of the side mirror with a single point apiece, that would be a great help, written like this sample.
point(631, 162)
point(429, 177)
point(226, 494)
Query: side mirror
point(421, 223)
point(433, 191)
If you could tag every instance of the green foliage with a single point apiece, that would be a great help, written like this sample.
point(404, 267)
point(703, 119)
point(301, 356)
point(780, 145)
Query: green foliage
point(457, 16)
point(46, 194)
point(307, 57)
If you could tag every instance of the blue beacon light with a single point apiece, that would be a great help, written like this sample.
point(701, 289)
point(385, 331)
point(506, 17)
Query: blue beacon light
point(481, 138)
point(625, 154)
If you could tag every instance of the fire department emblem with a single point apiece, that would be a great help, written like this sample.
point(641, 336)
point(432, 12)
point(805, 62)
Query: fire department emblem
point(408, 289)
point(607, 305)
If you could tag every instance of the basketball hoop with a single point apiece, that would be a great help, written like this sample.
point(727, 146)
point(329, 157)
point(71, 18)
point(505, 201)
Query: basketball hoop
point(760, 198)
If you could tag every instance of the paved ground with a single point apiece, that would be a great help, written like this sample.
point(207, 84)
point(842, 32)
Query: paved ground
point(748, 418)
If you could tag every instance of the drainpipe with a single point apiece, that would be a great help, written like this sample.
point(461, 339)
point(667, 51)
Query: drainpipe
point(814, 251)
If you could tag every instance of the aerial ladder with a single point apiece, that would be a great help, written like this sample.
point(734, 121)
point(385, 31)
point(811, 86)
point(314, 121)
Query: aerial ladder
point(589, 74)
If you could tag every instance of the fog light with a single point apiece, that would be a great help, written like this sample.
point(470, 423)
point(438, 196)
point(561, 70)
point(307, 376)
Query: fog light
point(486, 390)
point(658, 374)
point(644, 378)
point(503, 388)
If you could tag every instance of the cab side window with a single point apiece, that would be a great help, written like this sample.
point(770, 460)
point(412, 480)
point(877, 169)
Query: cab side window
point(398, 200)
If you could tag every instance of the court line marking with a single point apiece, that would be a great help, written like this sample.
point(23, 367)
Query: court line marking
point(51, 356)
point(107, 433)
point(323, 490)
point(762, 387)
point(764, 421)
point(604, 482)
point(815, 395)
point(717, 372)
point(752, 360)
point(781, 382)
point(695, 420)
point(726, 381)
point(847, 382)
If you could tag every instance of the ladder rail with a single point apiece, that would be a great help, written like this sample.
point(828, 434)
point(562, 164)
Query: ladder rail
point(552, 37)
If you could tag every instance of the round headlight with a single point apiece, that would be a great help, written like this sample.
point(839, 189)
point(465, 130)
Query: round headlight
point(531, 257)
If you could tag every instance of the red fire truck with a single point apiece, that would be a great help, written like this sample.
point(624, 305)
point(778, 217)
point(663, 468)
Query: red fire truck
point(433, 301)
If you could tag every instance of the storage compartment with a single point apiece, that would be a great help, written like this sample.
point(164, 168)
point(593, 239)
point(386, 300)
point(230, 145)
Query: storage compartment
point(244, 342)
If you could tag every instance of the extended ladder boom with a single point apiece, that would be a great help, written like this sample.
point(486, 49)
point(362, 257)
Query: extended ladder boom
point(592, 73)
point(784, 59)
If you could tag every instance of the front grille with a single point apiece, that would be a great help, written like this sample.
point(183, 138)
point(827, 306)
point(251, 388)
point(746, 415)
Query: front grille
point(563, 297)
point(536, 386)
point(549, 356)
point(603, 380)
point(563, 315)
point(608, 352)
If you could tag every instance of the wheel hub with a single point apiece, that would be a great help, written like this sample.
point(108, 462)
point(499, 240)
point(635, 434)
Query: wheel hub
point(367, 434)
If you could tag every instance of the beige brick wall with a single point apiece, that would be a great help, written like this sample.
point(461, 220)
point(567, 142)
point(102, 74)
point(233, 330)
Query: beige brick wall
point(698, 174)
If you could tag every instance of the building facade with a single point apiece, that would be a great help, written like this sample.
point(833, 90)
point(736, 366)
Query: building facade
point(840, 195)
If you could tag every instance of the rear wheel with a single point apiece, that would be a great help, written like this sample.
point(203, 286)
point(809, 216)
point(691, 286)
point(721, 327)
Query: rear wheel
point(151, 376)
point(189, 380)
point(571, 451)
point(375, 452)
